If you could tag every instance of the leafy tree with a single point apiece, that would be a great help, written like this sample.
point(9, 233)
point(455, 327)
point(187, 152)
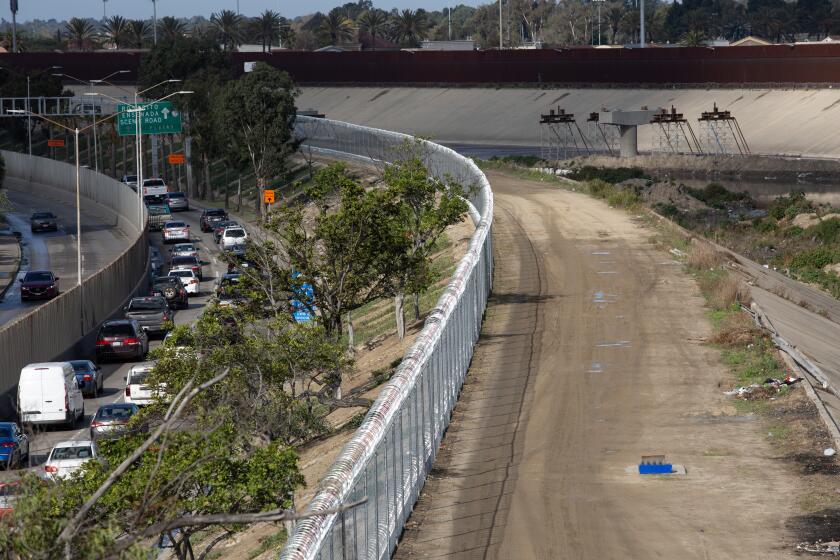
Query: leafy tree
point(171, 28)
point(693, 38)
point(116, 29)
point(337, 27)
point(351, 252)
point(80, 33)
point(229, 24)
point(257, 112)
point(427, 207)
point(409, 27)
point(374, 23)
point(138, 31)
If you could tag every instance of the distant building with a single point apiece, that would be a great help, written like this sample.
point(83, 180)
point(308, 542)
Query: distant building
point(342, 47)
point(750, 41)
point(465, 45)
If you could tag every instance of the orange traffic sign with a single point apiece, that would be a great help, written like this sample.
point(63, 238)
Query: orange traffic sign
point(268, 196)
point(55, 143)
point(176, 159)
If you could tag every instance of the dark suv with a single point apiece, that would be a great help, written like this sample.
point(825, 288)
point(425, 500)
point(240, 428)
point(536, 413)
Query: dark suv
point(43, 221)
point(210, 217)
point(122, 338)
point(172, 290)
point(38, 284)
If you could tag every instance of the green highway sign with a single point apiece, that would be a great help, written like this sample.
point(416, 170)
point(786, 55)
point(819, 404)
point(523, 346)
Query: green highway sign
point(156, 118)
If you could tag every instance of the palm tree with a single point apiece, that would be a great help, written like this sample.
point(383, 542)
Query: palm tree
point(171, 28)
point(266, 27)
point(374, 23)
point(408, 27)
point(229, 24)
point(79, 31)
point(693, 38)
point(138, 32)
point(337, 27)
point(117, 30)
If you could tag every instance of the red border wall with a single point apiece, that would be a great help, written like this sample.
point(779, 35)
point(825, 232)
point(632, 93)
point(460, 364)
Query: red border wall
point(776, 64)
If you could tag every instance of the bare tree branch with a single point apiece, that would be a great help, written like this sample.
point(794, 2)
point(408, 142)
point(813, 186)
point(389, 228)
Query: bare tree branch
point(72, 526)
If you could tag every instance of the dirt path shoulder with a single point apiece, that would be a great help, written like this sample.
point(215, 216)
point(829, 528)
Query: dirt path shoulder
point(592, 356)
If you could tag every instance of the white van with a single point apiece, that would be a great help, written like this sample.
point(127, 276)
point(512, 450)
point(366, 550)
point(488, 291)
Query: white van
point(48, 393)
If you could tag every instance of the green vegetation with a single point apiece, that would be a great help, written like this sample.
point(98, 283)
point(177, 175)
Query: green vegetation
point(716, 196)
point(616, 197)
point(607, 174)
point(523, 161)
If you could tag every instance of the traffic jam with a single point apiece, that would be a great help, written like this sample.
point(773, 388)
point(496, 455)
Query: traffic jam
point(64, 408)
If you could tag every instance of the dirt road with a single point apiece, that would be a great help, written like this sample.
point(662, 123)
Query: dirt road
point(591, 357)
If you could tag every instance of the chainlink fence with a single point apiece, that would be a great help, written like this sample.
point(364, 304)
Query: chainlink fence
point(388, 458)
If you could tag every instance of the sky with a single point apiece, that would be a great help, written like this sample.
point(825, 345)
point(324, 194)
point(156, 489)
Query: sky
point(136, 9)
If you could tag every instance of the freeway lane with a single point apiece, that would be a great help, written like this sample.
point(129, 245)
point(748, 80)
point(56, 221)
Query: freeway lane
point(115, 373)
point(102, 241)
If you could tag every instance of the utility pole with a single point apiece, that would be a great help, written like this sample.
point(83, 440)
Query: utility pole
point(450, 24)
point(500, 24)
point(104, 10)
point(642, 23)
point(13, 4)
point(154, 19)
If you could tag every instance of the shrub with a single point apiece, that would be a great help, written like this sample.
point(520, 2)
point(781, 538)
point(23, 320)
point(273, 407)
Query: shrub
point(525, 161)
point(622, 199)
point(826, 231)
point(765, 226)
point(794, 231)
point(609, 175)
point(790, 205)
point(716, 195)
point(816, 258)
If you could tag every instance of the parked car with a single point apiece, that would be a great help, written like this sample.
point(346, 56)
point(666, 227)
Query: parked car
point(233, 237)
point(121, 338)
point(188, 278)
point(172, 290)
point(184, 250)
point(136, 390)
point(188, 262)
point(220, 227)
point(210, 217)
point(158, 215)
point(88, 377)
point(38, 284)
point(14, 445)
point(48, 393)
point(130, 180)
point(43, 221)
point(178, 200)
point(9, 492)
point(174, 230)
point(67, 457)
point(151, 312)
point(111, 419)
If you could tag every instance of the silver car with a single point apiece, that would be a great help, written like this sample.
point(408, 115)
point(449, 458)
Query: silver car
point(111, 419)
point(177, 201)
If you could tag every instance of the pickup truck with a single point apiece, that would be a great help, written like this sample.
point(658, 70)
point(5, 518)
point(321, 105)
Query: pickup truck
point(159, 214)
point(154, 186)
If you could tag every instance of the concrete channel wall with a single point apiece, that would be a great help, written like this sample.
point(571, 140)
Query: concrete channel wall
point(60, 325)
point(775, 121)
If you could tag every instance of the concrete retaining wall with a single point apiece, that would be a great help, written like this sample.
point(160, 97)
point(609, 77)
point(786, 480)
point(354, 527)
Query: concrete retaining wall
point(775, 121)
point(54, 328)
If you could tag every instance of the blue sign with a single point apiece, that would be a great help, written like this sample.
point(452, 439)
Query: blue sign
point(303, 313)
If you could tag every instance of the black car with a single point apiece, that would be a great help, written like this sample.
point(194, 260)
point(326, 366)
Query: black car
point(152, 312)
point(210, 217)
point(172, 290)
point(38, 284)
point(123, 338)
point(43, 221)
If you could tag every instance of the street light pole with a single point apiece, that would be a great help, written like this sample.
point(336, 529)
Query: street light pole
point(29, 116)
point(78, 216)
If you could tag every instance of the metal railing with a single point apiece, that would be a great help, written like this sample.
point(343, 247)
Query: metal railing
point(388, 458)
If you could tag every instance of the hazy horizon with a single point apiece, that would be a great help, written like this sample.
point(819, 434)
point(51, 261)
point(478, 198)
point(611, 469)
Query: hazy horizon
point(142, 9)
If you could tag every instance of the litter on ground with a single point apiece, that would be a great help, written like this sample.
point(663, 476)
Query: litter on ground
point(767, 388)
